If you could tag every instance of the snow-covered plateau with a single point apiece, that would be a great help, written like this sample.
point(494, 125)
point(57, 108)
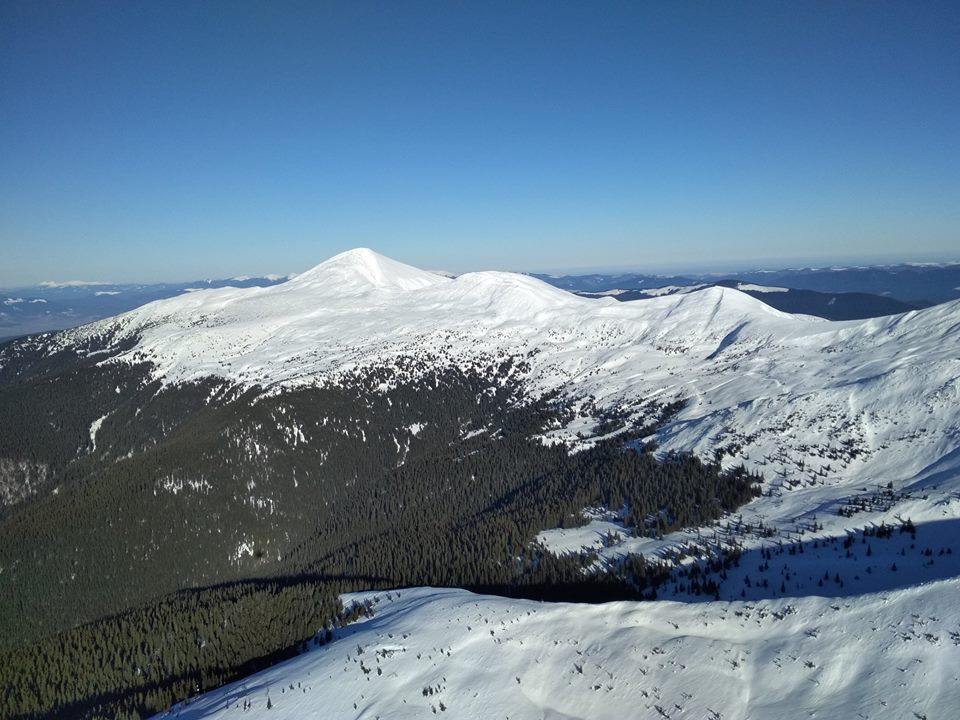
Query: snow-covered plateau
point(854, 426)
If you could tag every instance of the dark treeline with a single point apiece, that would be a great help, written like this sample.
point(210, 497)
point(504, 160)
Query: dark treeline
point(141, 661)
point(275, 503)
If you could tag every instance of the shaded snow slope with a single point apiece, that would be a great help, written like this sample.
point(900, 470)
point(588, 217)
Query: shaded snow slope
point(458, 655)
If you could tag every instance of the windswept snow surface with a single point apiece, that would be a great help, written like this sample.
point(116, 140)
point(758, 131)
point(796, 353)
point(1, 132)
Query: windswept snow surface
point(450, 653)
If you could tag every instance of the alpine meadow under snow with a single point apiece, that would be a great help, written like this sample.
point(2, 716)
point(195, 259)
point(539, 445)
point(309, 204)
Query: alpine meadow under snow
point(830, 594)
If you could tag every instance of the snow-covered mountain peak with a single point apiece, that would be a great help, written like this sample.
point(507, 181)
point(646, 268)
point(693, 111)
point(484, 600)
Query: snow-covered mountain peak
point(773, 390)
point(362, 269)
point(716, 302)
point(511, 294)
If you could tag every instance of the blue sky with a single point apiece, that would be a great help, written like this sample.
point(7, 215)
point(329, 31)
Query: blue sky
point(176, 140)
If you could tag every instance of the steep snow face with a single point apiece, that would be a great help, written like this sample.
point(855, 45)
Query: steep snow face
point(809, 403)
point(458, 655)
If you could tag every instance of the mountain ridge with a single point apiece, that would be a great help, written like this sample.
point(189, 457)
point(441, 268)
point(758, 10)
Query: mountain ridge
point(323, 426)
point(399, 300)
point(745, 370)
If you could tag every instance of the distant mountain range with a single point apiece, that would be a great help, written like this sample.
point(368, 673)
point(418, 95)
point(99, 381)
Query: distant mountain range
point(54, 306)
point(830, 306)
point(915, 284)
point(832, 293)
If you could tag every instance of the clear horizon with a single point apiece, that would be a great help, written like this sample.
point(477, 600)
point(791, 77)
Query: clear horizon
point(162, 143)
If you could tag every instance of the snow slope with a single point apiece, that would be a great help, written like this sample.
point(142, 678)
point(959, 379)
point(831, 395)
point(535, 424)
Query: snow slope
point(450, 653)
point(359, 305)
point(816, 406)
point(830, 412)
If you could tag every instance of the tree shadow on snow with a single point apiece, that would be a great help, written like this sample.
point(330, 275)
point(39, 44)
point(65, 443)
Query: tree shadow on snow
point(877, 558)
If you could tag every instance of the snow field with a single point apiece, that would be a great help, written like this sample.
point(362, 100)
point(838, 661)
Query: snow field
point(429, 652)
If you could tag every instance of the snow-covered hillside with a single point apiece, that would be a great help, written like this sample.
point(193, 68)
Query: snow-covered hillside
point(831, 609)
point(449, 653)
point(814, 405)
point(822, 409)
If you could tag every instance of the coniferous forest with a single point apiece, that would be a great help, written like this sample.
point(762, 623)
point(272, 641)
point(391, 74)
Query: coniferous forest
point(160, 540)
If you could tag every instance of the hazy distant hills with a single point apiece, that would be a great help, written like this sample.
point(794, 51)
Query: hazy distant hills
point(830, 306)
point(55, 306)
point(603, 282)
point(916, 285)
point(832, 293)
point(926, 283)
